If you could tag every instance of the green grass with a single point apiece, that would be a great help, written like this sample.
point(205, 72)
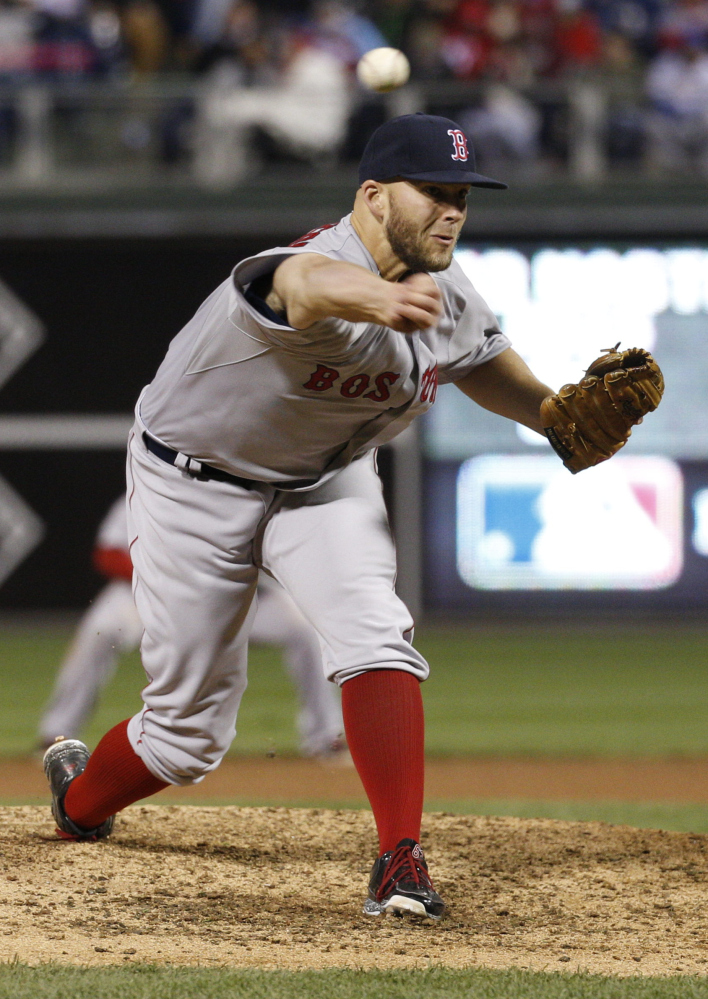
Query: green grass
point(28, 662)
point(492, 691)
point(518, 691)
point(148, 982)
point(642, 815)
point(567, 692)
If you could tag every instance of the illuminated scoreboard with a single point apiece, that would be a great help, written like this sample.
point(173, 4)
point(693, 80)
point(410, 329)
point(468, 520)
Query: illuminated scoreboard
point(502, 514)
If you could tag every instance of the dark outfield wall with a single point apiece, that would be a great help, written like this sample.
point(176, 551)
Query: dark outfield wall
point(110, 308)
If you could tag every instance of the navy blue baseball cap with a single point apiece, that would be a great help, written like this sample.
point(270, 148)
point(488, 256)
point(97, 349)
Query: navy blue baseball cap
point(422, 147)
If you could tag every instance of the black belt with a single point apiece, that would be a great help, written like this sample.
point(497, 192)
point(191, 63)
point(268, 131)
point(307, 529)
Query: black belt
point(200, 470)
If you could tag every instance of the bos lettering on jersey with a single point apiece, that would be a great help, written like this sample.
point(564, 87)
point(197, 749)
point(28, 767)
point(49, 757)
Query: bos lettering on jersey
point(304, 240)
point(429, 385)
point(324, 378)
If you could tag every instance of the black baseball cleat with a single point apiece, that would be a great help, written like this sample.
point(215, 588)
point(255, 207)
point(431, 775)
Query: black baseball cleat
point(63, 761)
point(400, 883)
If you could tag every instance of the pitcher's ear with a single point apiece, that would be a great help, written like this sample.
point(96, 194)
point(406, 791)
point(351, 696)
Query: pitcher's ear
point(375, 196)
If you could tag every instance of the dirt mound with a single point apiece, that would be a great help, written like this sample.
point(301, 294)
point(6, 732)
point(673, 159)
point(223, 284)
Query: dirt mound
point(282, 888)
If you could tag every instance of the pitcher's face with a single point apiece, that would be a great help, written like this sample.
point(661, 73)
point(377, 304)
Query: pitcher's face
point(424, 221)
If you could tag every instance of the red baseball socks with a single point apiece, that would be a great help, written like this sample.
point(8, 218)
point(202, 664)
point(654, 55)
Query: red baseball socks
point(384, 726)
point(385, 730)
point(114, 777)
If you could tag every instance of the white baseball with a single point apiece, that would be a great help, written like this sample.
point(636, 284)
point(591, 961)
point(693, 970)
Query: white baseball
point(383, 69)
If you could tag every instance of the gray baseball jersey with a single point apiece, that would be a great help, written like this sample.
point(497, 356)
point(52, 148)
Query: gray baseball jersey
point(260, 399)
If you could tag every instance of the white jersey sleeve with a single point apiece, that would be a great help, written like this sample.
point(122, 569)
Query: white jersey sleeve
point(329, 336)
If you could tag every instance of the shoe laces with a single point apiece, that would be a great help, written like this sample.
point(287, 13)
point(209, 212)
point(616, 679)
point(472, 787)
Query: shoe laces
point(403, 867)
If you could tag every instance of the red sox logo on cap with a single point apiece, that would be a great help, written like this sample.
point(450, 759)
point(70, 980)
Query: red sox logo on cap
point(459, 140)
point(419, 147)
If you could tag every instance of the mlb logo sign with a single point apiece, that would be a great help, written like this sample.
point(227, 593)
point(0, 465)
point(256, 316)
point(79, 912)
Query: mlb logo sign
point(526, 523)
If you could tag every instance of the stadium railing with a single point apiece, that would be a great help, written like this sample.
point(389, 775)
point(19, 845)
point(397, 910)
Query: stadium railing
point(79, 134)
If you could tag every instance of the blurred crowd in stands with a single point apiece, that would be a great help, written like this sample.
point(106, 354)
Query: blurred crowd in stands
point(284, 68)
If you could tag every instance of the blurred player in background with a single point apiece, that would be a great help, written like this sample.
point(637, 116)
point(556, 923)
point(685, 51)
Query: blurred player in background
point(111, 627)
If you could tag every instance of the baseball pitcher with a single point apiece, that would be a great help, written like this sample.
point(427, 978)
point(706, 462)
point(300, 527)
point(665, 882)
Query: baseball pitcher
point(253, 448)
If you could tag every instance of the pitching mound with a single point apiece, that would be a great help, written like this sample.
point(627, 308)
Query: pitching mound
point(282, 888)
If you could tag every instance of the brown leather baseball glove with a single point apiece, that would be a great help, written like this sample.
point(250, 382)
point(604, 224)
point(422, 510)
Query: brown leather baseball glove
point(588, 422)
